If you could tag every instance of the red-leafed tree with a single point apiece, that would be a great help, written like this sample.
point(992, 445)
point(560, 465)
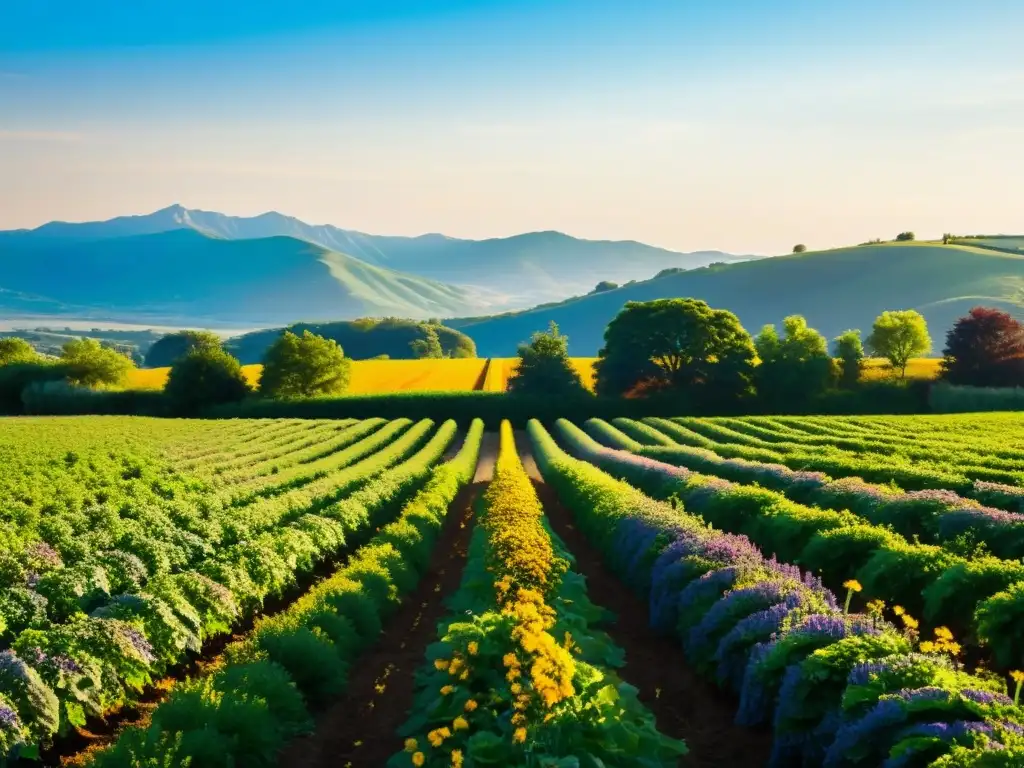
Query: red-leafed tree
point(985, 348)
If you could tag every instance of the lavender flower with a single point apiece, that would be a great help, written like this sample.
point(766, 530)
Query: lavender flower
point(138, 642)
point(734, 649)
point(731, 608)
point(9, 718)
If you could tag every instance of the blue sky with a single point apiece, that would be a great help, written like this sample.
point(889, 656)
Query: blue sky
point(745, 125)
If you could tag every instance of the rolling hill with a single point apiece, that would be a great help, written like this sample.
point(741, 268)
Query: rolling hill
point(507, 273)
point(834, 290)
point(186, 277)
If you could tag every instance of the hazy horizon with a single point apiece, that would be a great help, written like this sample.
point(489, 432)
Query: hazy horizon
point(745, 126)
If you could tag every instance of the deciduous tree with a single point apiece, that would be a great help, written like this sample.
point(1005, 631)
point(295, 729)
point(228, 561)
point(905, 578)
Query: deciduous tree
point(985, 349)
point(169, 348)
point(205, 376)
point(90, 364)
point(898, 336)
point(794, 367)
point(545, 368)
point(304, 366)
point(849, 357)
point(682, 345)
point(16, 350)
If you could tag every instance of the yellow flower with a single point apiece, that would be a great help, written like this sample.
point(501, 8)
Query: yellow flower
point(418, 759)
point(512, 675)
point(473, 648)
point(437, 737)
point(510, 660)
point(456, 758)
point(410, 745)
point(447, 690)
point(516, 688)
point(928, 647)
point(909, 621)
point(1017, 675)
point(899, 610)
point(454, 667)
point(853, 585)
point(440, 664)
point(471, 705)
point(876, 606)
point(943, 633)
point(460, 723)
point(519, 736)
point(518, 719)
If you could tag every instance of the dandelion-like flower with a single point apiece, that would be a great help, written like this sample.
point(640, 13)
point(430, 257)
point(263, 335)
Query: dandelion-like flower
point(471, 705)
point(418, 759)
point(456, 758)
point(473, 648)
point(519, 735)
point(460, 723)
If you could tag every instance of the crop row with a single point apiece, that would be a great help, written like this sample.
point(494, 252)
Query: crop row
point(94, 632)
point(837, 688)
point(949, 450)
point(270, 682)
point(981, 597)
point(933, 516)
point(877, 469)
point(520, 677)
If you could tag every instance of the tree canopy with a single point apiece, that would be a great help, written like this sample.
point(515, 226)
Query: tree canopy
point(605, 285)
point(90, 364)
point(794, 367)
point(799, 248)
point(304, 366)
point(898, 336)
point(204, 376)
point(169, 348)
point(429, 347)
point(850, 357)
point(545, 368)
point(905, 237)
point(682, 345)
point(985, 348)
point(16, 350)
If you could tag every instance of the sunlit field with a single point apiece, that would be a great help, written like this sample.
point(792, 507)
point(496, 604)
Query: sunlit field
point(467, 375)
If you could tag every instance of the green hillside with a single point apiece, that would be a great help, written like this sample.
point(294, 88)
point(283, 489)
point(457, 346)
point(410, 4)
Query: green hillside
point(361, 339)
point(835, 290)
point(185, 277)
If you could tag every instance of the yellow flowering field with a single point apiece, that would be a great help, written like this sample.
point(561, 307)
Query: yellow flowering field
point(500, 370)
point(368, 376)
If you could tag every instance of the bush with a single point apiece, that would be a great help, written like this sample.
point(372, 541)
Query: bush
point(204, 377)
point(16, 377)
point(946, 398)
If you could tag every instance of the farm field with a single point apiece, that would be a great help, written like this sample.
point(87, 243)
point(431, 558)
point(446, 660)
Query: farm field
point(762, 591)
point(469, 374)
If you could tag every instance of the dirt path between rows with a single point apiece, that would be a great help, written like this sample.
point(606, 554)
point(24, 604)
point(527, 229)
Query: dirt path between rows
point(361, 728)
point(489, 444)
point(685, 706)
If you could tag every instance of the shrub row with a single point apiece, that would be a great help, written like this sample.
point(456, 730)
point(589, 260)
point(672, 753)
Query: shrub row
point(268, 683)
point(877, 469)
point(982, 597)
point(525, 680)
point(933, 516)
point(838, 689)
point(92, 662)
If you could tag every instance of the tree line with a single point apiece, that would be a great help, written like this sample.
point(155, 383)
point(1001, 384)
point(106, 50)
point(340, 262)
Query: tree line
point(684, 347)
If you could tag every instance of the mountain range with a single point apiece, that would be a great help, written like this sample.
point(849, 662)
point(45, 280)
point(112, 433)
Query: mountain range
point(186, 266)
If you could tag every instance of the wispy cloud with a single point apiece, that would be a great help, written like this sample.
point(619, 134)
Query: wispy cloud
point(46, 136)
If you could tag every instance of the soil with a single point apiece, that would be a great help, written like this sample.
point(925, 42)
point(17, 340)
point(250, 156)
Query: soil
point(361, 729)
point(489, 444)
point(685, 706)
